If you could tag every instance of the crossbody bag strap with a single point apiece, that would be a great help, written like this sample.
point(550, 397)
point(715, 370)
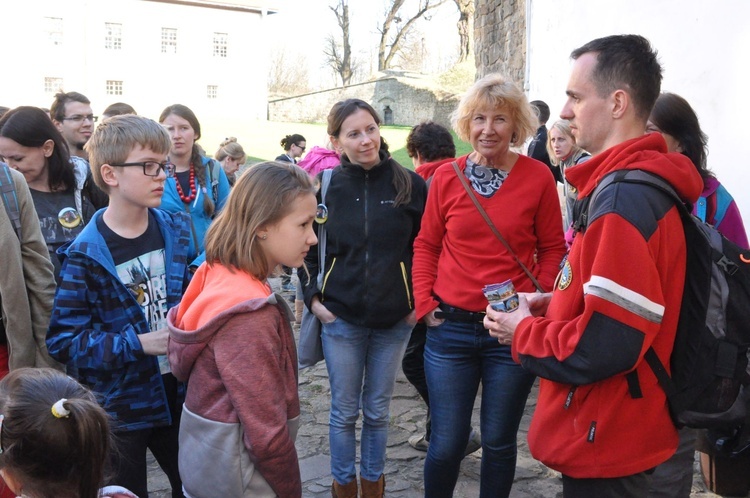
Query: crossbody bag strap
point(492, 226)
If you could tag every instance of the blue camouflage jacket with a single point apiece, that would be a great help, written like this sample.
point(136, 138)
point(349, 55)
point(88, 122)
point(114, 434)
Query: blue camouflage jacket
point(96, 321)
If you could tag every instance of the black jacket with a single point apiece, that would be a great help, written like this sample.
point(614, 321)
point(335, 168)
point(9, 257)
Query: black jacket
point(368, 259)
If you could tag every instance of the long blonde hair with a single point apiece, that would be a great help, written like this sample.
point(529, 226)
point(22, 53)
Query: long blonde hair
point(262, 196)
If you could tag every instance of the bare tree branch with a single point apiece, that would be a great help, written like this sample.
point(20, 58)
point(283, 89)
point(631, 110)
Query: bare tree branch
point(339, 55)
point(465, 28)
point(287, 74)
point(387, 51)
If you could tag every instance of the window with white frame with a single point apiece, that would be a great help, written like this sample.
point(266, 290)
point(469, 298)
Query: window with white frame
point(53, 26)
point(220, 44)
point(112, 36)
point(52, 84)
point(212, 91)
point(168, 40)
point(114, 87)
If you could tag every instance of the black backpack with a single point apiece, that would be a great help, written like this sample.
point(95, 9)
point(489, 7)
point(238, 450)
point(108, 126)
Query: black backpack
point(709, 386)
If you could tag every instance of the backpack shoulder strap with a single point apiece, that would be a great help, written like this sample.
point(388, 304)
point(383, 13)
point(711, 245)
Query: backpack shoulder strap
point(325, 182)
point(10, 199)
point(213, 177)
point(636, 176)
point(645, 178)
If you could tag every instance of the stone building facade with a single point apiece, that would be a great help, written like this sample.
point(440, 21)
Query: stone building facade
point(400, 98)
point(500, 38)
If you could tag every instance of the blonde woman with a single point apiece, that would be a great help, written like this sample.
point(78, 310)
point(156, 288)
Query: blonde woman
point(232, 157)
point(455, 255)
point(564, 153)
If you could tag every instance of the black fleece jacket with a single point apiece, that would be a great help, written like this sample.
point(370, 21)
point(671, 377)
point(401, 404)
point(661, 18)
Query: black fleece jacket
point(367, 278)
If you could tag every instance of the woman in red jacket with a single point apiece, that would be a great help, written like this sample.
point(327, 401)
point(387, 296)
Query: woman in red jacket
point(455, 255)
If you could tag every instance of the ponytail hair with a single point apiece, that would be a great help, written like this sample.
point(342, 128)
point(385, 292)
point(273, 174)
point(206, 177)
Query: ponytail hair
point(289, 140)
point(54, 436)
point(200, 175)
point(230, 148)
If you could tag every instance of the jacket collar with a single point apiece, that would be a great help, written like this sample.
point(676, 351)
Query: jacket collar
point(357, 170)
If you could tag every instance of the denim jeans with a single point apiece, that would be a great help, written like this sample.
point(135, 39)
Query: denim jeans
point(413, 367)
point(457, 357)
point(362, 365)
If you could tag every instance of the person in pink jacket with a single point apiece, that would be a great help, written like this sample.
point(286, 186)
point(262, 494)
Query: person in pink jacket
point(231, 341)
point(319, 159)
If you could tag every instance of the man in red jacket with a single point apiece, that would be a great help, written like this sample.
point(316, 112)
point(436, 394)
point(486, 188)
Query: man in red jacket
point(618, 293)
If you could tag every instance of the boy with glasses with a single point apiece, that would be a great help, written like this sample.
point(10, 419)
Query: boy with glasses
point(71, 112)
point(119, 278)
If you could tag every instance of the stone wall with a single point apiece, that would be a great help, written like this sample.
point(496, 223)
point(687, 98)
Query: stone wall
point(398, 100)
point(500, 38)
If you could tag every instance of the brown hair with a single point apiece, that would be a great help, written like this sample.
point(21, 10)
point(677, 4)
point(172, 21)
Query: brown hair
point(626, 62)
point(345, 108)
point(57, 109)
point(196, 158)
point(115, 138)
point(262, 196)
point(52, 456)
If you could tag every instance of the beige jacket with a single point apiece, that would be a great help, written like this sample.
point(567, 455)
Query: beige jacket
point(27, 284)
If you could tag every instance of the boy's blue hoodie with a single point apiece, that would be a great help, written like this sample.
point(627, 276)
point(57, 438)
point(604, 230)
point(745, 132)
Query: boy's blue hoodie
point(96, 320)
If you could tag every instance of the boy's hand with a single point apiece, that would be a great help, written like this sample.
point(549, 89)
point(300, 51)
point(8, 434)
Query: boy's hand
point(155, 343)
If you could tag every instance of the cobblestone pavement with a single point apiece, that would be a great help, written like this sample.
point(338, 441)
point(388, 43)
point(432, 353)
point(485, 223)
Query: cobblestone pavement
point(404, 465)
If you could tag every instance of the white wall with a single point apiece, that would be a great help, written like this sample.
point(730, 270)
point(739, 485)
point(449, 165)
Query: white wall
point(704, 48)
point(152, 80)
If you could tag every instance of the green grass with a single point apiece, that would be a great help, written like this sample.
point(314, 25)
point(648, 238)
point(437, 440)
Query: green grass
point(260, 139)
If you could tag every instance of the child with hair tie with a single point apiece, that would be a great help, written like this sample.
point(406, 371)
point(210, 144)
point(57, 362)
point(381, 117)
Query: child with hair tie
point(54, 437)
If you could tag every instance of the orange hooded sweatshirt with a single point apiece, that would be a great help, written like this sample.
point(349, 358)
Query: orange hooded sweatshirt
point(231, 340)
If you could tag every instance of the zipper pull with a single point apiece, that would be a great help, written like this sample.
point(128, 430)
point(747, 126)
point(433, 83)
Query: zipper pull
point(569, 398)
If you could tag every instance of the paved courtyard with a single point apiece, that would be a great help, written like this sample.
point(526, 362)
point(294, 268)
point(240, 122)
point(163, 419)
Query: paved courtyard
point(404, 464)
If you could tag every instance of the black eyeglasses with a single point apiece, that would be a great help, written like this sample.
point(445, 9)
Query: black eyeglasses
point(79, 119)
point(152, 168)
point(301, 147)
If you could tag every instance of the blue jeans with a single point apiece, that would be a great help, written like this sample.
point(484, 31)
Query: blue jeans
point(457, 357)
point(362, 365)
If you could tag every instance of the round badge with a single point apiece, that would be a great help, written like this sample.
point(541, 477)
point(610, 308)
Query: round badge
point(566, 276)
point(69, 217)
point(321, 214)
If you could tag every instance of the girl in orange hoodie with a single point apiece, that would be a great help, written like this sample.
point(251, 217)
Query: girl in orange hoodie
point(231, 340)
